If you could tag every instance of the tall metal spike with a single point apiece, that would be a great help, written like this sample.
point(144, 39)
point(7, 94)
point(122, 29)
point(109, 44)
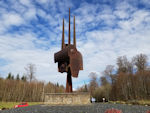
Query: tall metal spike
point(74, 33)
point(69, 29)
point(63, 36)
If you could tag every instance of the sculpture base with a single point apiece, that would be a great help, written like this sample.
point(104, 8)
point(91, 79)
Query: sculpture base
point(66, 98)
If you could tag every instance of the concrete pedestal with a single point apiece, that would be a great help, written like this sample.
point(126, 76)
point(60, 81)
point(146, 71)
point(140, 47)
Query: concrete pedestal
point(67, 98)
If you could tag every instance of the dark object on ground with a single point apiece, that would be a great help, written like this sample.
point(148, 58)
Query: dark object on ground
point(23, 104)
point(4, 108)
point(101, 100)
point(113, 111)
point(69, 58)
point(93, 108)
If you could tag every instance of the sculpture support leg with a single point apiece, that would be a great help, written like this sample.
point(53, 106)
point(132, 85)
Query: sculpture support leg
point(69, 83)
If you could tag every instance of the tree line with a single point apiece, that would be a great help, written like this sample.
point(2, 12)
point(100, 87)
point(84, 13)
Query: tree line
point(26, 88)
point(130, 80)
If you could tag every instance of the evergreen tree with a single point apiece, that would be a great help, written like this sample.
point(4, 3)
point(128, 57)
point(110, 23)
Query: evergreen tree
point(57, 84)
point(12, 77)
point(9, 76)
point(17, 77)
point(1, 77)
point(86, 88)
point(24, 78)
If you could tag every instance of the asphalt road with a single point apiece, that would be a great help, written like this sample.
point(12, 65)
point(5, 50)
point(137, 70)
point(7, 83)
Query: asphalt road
point(93, 108)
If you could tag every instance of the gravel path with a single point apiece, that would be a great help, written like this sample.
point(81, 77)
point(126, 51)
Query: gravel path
point(93, 108)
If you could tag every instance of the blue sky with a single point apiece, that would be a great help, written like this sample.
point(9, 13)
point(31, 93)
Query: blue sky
point(30, 32)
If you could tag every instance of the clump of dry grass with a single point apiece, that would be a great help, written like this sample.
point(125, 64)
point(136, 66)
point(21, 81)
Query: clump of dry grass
point(133, 102)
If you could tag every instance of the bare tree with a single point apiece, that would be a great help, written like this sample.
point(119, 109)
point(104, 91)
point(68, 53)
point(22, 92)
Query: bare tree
point(103, 81)
point(108, 73)
point(105, 87)
point(93, 82)
point(109, 69)
point(140, 61)
point(30, 69)
point(124, 65)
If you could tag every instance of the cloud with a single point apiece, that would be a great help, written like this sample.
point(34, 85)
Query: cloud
point(10, 19)
point(31, 33)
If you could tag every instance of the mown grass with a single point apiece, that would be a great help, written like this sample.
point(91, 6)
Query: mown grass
point(12, 104)
point(133, 102)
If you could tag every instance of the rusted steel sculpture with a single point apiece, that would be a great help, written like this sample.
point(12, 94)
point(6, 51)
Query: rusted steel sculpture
point(69, 58)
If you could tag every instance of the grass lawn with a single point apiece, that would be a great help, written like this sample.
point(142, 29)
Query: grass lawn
point(12, 104)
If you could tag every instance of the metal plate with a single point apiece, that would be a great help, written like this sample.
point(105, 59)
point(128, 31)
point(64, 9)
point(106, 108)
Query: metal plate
point(76, 62)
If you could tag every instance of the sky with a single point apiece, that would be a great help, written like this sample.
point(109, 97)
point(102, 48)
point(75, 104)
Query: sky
point(31, 31)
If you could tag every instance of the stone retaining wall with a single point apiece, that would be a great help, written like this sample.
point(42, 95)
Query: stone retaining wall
point(67, 98)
